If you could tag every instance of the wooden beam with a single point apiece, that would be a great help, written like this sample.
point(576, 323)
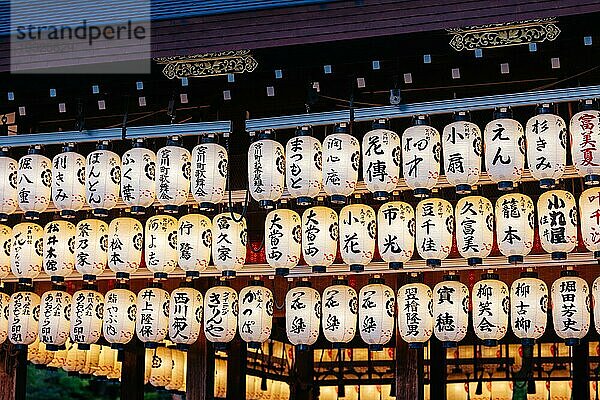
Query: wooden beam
point(236, 369)
point(581, 370)
point(132, 379)
point(437, 369)
point(302, 386)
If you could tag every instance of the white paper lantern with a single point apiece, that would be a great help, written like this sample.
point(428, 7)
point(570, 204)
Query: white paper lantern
point(450, 311)
point(376, 305)
point(152, 318)
point(547, 138)
point(341, 158)
point(340, 313)
point(528, 307)
point(266, 170)
point(357, 235)
point(5, 241)
point(194, 238)
point(125, 244)
point(283, 236)
point(68, 182)
point(595, 302)
point(474, 228)
point(229, 239)
point(490, 309)
point(570, 307)
point(92, 359)
point(319, 237)
point(220, 315)
point(504, 149)
point(105, 361)
point(8, 185)
point(161, 245)
point(461, 144)
point(421, 146)
point(255, 319)
point(75, 360)
point(396, 233)
point(161, 367)
point(87, 311)
point(4, 302)
point(55, 314)
point(415, 314)
point(173, 175)
point(209, 173)
point(185, 315)
point(381, 153)
point(59, 249)
point(138, 177)
point(27, 245)
point(103, 179)
point(589, 208)
point(557, 220)
point(178, 359)
point(303, 315)
point(304, 166)
point(91, 248)
point(585, 136)
point(59, 357)
point(434, 228)
point(118, 321)
point(23, 317)
point(34, 182)
point(514, 226)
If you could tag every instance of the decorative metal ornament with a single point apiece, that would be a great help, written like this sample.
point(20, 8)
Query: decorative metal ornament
point(283, 236)
point(341, 159)
point(396, 233)
point(304, 166)
point(570, 307)
point(515, 219)
point(434, 228)
point(138, 178)
point(34, 183)
point(381, 154)
point(491, 301)
point(462, 149)
point(557, 220)
point(208, 64)
point(376, 306)
point(173, 166)
point(358, 228)
point(319, 237)
point(68, 182)
point(475, 228)
point(103, 179)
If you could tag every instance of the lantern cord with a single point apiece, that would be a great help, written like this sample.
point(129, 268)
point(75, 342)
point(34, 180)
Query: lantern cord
point(260, 247)
point(282, 306)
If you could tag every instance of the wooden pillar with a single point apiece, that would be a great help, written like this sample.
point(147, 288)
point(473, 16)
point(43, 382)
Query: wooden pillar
point(200, 380)
point(21, 374)
point(581, 370)
point(236, 369)
point(437, 369)
point(8, 372)
point(302, 387)
point(409, 372)
point(132, 378)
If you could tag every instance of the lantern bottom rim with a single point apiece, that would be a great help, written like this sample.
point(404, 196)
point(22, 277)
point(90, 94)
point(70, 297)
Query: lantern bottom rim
point(52, 347)
point(381, 195)
point(160, 275)
point(192, 274)
point(527, 342)
point(3, 217)
point(505, 186)
point(421, 192)
point(463, 189)
point(434, 262)
point(591, 180)
point(515, 259)
point(304, 201)
point(572, 342)
point(20, 346)
point(206, 206)
point(339, 345)
point(490, 342)
point(171, 209)
point(150, 345)
point(396, 265)
point(31, 215)
point(122, 275)
point(137, 210)
point(547, 183)
point(357, 268)
point(415, 345)
point(220, 346)
point(117, 346)
point(338, 199)
point(89, 277)
point(302, 347)
point(254, 345)
point(376, 347)
point(84, 346)
point(68, 214)
point(449, 344)
point(100, 212)
point(266, 204)
point(319, 268)
point(57, 279)
point(559, 255)
point(228, 273)
point(597, 255)
point(473, 261)
point(282, 271)
point(182, 346)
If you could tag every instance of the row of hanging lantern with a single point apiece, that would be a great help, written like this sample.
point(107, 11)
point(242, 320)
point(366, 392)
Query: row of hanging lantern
point(153, 315)
point(140, 177)
point(334, 166)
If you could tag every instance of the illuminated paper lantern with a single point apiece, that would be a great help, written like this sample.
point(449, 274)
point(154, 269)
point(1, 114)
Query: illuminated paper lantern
point(34, 183)
point(4, 301)
point(194, 238)
point(115, 374)
point(303, 315)
point(152, 318)
point(60, 356)
point(585, 136)
point(474, 228)
point(396, 233)
point(283, 236)
point(381, 160)
point(514, 226)
point(547, 138)
point(161, 245)
point(103, 179)
point(87, 311)
point(138, 178)
point(255, 318)
point(557, 220)
point(220, 315)
point(125, 244)
point(595, 302)
point(209, 173)
point(92, 358)
point(91, 248)
point(415, 314)
point(55, 314)
point(185, 315)
point(504, 149)
point(23, 318)
point(75, 360)
point(319, 237)
point(340, 313)
point(5, 241)
point(341, 158)
point(118, 321)
point(450, 311)
point(421, 145)
point(589, 208)
point(528, 307)
point(8, 186)
point(230, 237)
point(27, 254)
point(105, 361)
point(59, 249)
point(304, 166)
point(68, 181)
point(173, 178)
point(178, 359)
point(434, 228)
point(570, 307)
point(376, 305)
point(161, 367)
point(490, 309)
point(461, 144)
point(266, 170)
point(357, 235)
